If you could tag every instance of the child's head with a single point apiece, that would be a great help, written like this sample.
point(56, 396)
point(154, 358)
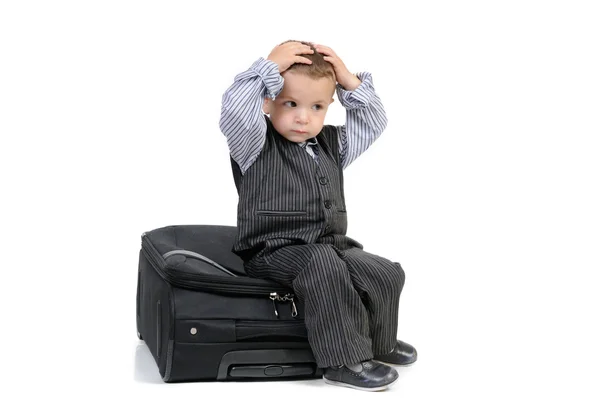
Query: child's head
point(298, 112)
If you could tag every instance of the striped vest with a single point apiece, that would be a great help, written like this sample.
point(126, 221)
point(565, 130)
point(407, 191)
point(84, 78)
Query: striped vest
point(287, 198)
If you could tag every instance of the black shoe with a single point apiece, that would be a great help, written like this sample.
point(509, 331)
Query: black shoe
point(374, 376)
point(402, 354)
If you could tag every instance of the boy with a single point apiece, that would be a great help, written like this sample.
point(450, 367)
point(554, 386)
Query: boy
point(292, 214)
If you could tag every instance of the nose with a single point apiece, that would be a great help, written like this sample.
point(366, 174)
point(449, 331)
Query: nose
point(302, 117)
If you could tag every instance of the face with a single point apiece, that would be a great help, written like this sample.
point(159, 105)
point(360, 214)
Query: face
point(298, 112)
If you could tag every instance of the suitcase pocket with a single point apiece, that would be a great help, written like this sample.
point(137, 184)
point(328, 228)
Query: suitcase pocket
point(230, 331)
point(270, 331)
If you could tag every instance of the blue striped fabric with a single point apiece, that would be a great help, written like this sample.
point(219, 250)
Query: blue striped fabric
point(242, 121)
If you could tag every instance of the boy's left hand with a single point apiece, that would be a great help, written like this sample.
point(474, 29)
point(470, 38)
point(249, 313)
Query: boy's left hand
point(346, 79)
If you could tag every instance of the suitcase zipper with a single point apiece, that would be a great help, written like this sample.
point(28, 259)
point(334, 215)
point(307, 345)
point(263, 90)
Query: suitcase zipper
point(288, 297)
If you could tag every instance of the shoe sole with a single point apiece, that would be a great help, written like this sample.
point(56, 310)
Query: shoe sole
point(339, 383)
point(406, 365)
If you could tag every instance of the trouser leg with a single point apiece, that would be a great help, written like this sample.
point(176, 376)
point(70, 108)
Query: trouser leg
point(379, 283)
point(336, 319)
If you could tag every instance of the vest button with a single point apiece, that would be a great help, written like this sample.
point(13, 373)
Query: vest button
point(323, 180)
point(328, 204)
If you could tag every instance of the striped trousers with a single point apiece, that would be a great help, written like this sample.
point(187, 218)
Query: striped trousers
point(351, 298)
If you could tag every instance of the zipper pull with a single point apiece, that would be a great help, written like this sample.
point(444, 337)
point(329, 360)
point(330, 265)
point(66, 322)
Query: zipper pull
point(273, 297)
point(290, 297)
point(294, 311)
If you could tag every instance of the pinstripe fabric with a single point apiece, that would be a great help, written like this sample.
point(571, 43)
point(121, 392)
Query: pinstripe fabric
point(380, 282)
point(351, 298)
point(291, 229)
point(288, 198)
point(292, 218)
point(365, 119)
point(244, 126)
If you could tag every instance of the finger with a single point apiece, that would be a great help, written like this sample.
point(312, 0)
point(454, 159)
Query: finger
point(331, 60)
point(321, 49)
point(295, 45)
point(306, 50)
point(301, 49)
point(325, 50)
point(302, 60)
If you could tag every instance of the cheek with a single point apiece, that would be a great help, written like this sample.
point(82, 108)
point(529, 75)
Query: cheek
point(281, 120)
point(320, 117)
point(286, 116)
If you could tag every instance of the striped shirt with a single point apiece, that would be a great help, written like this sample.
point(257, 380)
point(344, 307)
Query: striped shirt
point(243, 124)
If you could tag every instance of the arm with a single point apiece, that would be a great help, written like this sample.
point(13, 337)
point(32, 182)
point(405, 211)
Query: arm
point(365, 115)
point(242, 120)
point(365, 119)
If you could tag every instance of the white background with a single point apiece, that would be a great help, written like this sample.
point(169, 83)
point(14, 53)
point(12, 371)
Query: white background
point(485, 185)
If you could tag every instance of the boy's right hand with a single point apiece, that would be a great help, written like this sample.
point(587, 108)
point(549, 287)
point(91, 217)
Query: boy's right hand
point(287, 54)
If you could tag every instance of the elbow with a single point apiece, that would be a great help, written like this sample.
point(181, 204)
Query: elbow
point(383, 121)
point(223, 126)
point(222, 121)
point(227, 117)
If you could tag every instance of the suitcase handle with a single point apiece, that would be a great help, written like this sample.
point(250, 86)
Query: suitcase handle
point(197, 256)
point(259, 363)
point(267, 371)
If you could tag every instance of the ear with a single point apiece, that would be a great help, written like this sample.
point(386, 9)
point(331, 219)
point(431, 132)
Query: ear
point(267, 105)
point(331, 102)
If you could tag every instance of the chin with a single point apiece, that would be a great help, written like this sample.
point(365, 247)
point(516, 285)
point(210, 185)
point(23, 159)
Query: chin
point(297, 139)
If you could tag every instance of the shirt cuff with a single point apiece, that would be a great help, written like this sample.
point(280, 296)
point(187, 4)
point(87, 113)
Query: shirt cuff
point(269, 73)
point(361, 96)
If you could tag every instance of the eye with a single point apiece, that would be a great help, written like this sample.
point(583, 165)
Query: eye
point(317, 107)
point(291, 104)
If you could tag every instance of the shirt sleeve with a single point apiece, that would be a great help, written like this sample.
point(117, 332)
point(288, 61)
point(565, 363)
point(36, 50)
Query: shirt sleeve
point(242, 120)
point(365, 119)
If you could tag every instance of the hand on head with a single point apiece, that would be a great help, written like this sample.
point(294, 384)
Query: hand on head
point(344, 77)
point(289, 53)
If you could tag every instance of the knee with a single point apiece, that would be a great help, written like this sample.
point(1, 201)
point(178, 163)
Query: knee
point(393, 278)
point(399, 274)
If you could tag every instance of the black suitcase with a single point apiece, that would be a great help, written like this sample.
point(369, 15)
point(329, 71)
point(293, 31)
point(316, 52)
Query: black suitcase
point(202, 318)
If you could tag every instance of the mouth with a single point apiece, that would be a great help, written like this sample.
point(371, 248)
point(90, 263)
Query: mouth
point(299, 131)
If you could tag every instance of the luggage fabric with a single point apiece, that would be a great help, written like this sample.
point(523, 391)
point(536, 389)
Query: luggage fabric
point(202, 318)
